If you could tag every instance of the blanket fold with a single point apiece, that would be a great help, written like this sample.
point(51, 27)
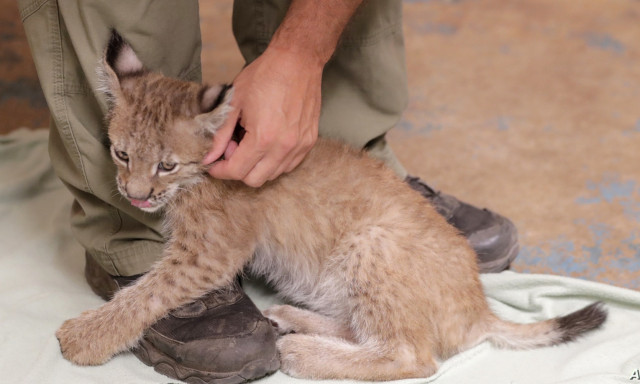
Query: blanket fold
point(42, 284)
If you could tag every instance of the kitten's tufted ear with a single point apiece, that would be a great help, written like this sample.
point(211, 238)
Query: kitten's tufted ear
point(215, 104)
point(119, 62)
point(121, 58)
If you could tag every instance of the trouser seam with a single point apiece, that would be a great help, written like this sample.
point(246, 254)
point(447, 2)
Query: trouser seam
point(132, 250)
point(59, 102)
point(261, 26)
point(61, 106)
point(373, 38)
point(30, 9)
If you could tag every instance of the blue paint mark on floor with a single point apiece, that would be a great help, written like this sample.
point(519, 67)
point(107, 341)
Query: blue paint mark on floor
point(503, 123)
point(425, 128)
point(631, 209)
point(616, 190)
point(633, 244)
point(608, 190)
point(561, 256)
point(557, 254)
point(633, 130)
point(612, 190)
point(430, 127)
point(599, 233)
point(405, 125)
point(604, 41)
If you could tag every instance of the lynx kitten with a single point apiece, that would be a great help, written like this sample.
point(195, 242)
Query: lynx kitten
point(388, 287)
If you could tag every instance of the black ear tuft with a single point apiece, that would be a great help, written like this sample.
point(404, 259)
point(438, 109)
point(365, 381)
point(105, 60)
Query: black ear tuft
point(121, 58)
point(113, 47)
point(215, 104)
point(212, 96)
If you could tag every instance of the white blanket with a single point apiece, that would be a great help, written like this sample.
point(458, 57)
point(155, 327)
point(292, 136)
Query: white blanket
point(42, 284)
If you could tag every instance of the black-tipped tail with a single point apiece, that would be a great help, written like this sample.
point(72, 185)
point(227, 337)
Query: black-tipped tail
point(550, 332)
point(582, 321)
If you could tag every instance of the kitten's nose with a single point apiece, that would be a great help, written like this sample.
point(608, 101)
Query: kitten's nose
point(141, 194)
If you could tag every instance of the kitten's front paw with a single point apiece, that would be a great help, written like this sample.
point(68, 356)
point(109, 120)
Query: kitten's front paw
point(81, 341)
point(277, 315)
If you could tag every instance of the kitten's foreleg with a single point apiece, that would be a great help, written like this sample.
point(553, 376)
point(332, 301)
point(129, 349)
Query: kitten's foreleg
point(179, 278)
point(291, 319)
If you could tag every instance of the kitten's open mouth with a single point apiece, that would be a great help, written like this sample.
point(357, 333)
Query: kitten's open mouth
point(141, 203)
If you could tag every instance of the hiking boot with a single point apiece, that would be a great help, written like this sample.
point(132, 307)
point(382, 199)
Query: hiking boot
point(493, 237)
point(221, 338)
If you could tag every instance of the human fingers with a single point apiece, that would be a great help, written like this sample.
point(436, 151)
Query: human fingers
point(295, 156)
point(261, 173)
point(222, 137)
point(306, 139)
point(244, 158)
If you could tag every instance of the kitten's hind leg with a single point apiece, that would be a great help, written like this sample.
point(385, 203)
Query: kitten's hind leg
point(323, 357)
point(290, 319)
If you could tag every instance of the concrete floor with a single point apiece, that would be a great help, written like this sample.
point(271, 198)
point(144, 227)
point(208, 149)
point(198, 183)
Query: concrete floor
point(528, 107)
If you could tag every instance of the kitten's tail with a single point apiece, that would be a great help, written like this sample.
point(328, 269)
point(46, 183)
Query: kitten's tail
point(560, 330)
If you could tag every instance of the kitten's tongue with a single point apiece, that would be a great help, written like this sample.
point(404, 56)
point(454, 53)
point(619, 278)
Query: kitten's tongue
point(141, 203)
point(231, 147)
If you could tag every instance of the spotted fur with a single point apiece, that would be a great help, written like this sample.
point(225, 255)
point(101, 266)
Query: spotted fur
point(386, 287)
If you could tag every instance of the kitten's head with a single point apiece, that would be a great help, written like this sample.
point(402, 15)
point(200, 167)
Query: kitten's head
point(160, 128)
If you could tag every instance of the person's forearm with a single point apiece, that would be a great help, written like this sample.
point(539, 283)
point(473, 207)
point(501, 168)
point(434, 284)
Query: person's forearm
point(313, 28)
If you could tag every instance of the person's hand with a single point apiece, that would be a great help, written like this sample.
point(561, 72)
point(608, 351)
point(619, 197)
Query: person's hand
point(277, 101)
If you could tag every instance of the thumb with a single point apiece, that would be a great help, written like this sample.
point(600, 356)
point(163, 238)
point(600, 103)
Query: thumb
point(222, 137)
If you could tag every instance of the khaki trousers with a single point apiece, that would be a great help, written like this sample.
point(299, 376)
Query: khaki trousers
point(364, 93)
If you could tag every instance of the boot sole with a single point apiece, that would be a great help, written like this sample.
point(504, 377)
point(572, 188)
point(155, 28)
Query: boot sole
point(163, 364)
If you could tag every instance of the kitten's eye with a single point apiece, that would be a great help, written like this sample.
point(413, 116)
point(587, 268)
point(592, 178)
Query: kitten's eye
point(166, 166)
point(122, 155)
